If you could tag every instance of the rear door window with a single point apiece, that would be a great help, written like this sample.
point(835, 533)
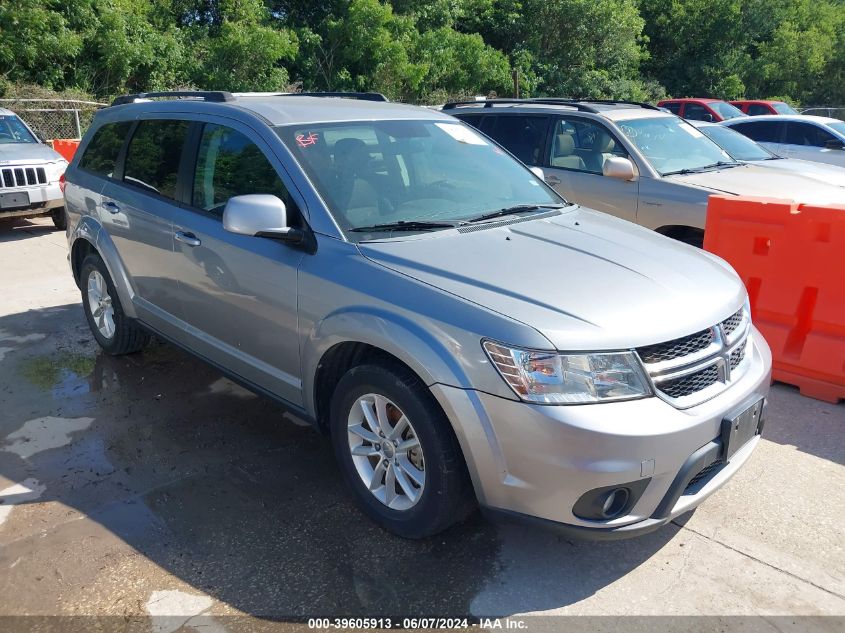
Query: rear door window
point(101, 155)
point(153, 156)
point(523, 136)
point(761, 131)
point(674, 108)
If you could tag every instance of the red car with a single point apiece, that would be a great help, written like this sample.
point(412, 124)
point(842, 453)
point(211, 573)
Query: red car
point(753, 107)
point(701, 109)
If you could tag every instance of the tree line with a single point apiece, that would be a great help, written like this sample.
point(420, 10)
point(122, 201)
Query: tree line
point(428, 51)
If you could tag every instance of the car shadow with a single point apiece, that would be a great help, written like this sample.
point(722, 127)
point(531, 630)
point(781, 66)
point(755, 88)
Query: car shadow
point(229, 494)
point(13, 229)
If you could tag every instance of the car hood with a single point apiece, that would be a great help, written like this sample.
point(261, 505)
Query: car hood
point(828, 174)
point(757, 180)
point(16, 153)
point(585, 280)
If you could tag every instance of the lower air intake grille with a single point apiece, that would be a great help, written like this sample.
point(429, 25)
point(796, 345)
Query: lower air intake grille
point(704, 473)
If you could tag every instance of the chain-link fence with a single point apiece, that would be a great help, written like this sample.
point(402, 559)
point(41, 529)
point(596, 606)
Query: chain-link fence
point(54, 118)
point(834, 112)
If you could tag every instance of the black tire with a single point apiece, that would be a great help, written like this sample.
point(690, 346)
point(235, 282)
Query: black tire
point(127, 337)
point(447, 496)
point(59, 218)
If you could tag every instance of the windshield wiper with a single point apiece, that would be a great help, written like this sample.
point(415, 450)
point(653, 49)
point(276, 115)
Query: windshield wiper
point(514, 210)
point(695, 170)
point(404, 225)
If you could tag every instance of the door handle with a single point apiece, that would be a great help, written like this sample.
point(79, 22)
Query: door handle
point(552, 180)
point(187, 238)
point(111, 207)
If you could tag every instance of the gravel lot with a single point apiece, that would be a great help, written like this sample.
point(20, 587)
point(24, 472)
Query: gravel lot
point(150, 485)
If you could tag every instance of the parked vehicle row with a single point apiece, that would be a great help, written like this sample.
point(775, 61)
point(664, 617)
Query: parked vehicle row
point(463, 332)
point(632, 160)
point(30, 173)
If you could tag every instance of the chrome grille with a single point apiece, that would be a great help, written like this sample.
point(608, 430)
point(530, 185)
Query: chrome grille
point(22, 177)
point(676, 348)
point(730, 325)
point(692, 369)
point(691, 383)
point(737, 356)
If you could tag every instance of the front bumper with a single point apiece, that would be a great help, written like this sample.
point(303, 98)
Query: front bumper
point(42, 199)
point(536, 461)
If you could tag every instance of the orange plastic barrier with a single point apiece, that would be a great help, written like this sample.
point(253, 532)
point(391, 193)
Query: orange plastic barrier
point(791, 257)
point(65, 147)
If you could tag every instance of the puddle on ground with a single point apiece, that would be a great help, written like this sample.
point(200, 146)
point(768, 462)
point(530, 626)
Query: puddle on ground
point(65, 373)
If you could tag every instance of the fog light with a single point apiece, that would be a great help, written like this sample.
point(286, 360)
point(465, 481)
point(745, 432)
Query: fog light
point(609, 502)
point(614, 502)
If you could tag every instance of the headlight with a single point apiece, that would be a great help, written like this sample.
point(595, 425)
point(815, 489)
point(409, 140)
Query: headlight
point(55, 170)
point(552, 378)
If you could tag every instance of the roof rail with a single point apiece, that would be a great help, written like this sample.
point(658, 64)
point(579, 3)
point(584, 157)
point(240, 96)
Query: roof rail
point(641, 104)
point(489, 103)
point(583, 105)
point(217, 96)
point(361, 96)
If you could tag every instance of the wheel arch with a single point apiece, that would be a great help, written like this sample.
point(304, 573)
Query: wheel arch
point(89, 237)
point(344, 340)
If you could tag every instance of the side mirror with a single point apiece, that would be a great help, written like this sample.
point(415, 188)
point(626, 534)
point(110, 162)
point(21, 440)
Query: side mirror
point(260, 215)
point(707, 117)
point(537, 171)
point(618, 167)
point(834, 143)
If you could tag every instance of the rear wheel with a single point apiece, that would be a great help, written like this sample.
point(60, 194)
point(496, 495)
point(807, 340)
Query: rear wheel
point(113, 330)
point(397, 451)
point(59, 218)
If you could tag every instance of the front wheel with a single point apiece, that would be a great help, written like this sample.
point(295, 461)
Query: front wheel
point(113, 330)
point(59, 218)
point(397, 451)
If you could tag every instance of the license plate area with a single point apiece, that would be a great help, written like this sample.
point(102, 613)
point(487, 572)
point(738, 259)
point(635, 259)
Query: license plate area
point(14, 199)
point(739, 428)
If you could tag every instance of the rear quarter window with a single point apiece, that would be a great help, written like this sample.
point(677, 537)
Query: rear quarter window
point(101, 154)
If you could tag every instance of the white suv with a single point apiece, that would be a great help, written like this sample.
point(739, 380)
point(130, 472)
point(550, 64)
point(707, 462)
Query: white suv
point(30, 173)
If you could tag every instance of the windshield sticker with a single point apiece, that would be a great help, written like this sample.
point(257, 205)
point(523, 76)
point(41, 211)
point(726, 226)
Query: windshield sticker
point(689, 129)
point(307, 140)
point(461, 133)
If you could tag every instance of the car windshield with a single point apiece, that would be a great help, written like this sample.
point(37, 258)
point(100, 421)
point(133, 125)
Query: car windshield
point(839, 126)
point(12, 130)
point(783, 108)
point(672, 145)
point(385, 174)
point(737, 145)
point(726, 110)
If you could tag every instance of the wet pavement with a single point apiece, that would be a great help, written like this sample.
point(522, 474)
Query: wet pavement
point(150, 485)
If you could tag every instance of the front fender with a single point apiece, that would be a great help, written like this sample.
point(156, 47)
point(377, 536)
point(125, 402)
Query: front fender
point(90, 230)
point(429, 357)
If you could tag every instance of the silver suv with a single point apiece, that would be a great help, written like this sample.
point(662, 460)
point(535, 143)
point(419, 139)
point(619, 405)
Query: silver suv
point(632, 160)
point(462, 333)
point(30, 173)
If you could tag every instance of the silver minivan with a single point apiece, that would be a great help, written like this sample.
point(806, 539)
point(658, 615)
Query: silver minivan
point(463, 334)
